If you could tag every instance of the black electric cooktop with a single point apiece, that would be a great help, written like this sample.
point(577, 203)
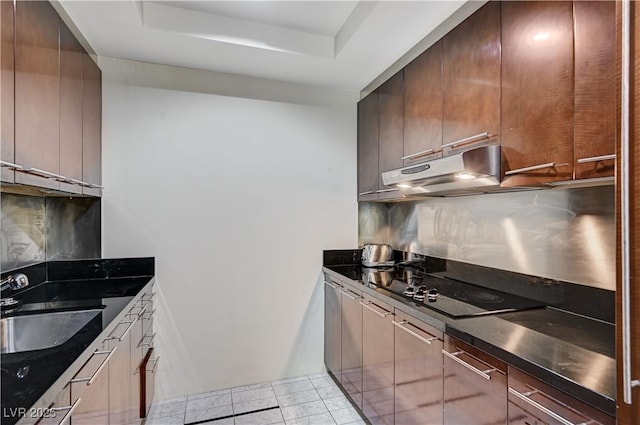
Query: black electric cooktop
point(451, 297)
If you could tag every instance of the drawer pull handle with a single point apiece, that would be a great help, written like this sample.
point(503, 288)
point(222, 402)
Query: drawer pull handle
point(69, 409)
point(410, 332)
point(540, 407)
point(350, 296)
point(418, 154)
point(469, 139)
point(533, 168)
point(150, 343)
point(93, 377)
point(386, 190)
point(454, 357)
point(368, 192)
point(596, 158)
point(368, 305)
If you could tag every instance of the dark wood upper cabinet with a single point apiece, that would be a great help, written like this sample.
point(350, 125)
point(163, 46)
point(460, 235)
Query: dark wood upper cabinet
point(70, 109)
point(423, 105)
point(91, 124)
point(390, 130)
point(37, 91)
point(472, 76)
point(595, 88)
point(368, 179)
point(6, 88)
point(537, 92)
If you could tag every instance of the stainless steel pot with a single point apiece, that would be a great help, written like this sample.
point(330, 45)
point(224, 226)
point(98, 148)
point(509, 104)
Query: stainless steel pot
point(377, 255)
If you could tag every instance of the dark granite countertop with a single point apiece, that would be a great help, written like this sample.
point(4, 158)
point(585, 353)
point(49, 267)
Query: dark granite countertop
point(570, 351)
point(78, 285)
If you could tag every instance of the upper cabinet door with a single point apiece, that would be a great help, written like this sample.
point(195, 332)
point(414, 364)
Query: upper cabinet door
point(390, 130)
point(91, 124)
point(472, 77)
point(70, 109)
point(37, 94)
point(423, 106)
point(368, 148)
point(537, 92)
point(595, 88)
point(6, 88)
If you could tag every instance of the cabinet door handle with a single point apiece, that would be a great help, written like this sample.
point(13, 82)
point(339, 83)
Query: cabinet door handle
point(476, 137)
point(454, 357)
point(627, 382)
point(143, 310)
point(78, 182)
point(542, 408)
point(368, 192)
point(368, 305)
point(410, 332)
point(155, 364)
point(418, 154)
point(95, 186)
point(43, 173)
point(69, 409)
point(596, 158)
point(10, 165)
point(121, 337)
point(331, 285)
point(348, 295)
point(532, 168)
point(93, 377)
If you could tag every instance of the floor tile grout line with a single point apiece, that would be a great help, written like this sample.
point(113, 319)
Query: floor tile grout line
point(233, 416)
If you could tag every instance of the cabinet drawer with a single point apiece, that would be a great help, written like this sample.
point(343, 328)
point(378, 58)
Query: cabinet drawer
point(60, 410)
point(550, 405)
point(90, 375)
point(475, 385)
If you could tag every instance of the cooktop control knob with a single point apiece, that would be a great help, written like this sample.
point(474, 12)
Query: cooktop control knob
point(432, 295)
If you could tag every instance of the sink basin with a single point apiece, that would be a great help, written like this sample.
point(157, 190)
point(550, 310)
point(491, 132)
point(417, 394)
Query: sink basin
point(41, 331)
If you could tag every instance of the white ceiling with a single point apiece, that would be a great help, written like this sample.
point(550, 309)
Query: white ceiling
point(342, 44)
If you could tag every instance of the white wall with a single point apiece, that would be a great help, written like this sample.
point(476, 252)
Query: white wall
point(236, 197)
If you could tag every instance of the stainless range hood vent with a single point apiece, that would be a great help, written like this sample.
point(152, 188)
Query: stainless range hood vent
point(473, 171)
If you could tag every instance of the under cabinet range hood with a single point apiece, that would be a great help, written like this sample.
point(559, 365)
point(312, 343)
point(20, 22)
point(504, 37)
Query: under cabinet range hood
point(475, 170)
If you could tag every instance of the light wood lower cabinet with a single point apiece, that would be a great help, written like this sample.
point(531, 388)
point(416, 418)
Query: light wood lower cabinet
point(351, 341)
point(333, 327)
point(377, 361)
point(91, 387)
point(418, 372)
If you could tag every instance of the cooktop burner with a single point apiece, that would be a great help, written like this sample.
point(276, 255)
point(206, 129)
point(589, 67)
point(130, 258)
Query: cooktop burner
point(455, 298)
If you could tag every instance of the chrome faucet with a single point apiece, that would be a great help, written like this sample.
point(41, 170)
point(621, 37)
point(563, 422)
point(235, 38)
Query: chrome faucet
point(13, 282)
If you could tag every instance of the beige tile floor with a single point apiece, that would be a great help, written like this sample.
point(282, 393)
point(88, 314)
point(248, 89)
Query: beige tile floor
point(306, 400)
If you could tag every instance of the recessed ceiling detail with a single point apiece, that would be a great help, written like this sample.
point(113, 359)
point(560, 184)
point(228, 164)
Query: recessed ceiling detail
point(339, 44)
point(243, 32)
